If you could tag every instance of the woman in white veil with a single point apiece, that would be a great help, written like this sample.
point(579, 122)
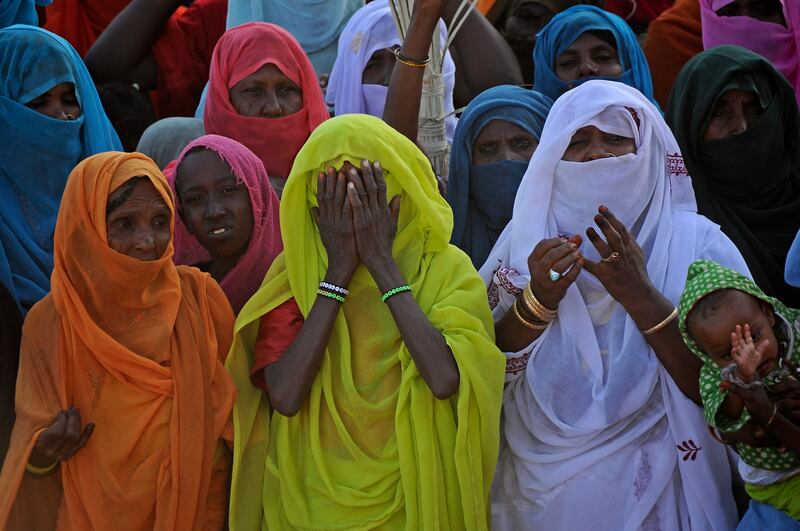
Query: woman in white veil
point(598, 430)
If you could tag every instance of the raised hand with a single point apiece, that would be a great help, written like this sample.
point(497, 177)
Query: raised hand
point(61, 440)
point(745, 354)
point(374, 219)
point(561, 256)
point(622, 270)
point(334, 218)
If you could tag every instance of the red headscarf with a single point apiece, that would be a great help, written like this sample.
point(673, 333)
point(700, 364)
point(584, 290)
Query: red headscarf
point(240, 52)
point(244, 279)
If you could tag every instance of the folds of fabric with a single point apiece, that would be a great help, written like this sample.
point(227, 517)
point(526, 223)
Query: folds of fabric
point(779, 44)
point(38, 152)
point(183, 53)
point(81, 21)
point(372, 28)
point(672, 39)
point(588, 404)
point(565, 28)
point(138, 348)
point(265, 244)
point(316, 24)
point(239, 53)
point(20, 12)
point(749, 183)
point(475, 196)
point(164, 140)
point(372, 446)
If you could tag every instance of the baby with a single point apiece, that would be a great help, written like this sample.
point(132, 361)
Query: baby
point(747, 342)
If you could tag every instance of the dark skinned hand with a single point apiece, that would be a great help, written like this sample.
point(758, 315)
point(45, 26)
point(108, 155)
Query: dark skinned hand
point(787, 395)
point(625, 278)
point(558, 254)
point(374, 219)
point(61, 440)
point(334, 218)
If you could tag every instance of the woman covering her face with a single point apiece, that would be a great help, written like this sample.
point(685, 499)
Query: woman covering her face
point(770, 28)
point(583, 283)
point(50, 119)
point(365, 413)
point(264, 94)
point(228, 224)
point(585, 42)
point(129, 343)
point(495, 139)
point(735, 117)
point(359, 81)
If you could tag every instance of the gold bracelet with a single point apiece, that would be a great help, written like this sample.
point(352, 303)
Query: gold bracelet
point(525, 322)
point(410, 62)
point(539, 310)
point(663, 324)
point(40, 471)
point(769, 422)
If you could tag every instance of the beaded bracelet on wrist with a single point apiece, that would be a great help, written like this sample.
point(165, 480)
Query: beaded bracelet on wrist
point(394, 291)
point(330, 295)
point(333, 288)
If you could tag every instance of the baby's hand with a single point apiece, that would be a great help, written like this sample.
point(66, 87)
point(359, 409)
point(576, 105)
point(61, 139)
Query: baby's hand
point(746, 355)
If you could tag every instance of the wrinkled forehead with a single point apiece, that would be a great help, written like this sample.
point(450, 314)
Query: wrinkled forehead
point(617, 120)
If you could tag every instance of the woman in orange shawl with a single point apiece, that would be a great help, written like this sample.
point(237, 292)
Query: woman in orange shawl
point(132, 344)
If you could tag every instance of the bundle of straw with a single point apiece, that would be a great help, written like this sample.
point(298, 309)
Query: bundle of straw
point(431, 136)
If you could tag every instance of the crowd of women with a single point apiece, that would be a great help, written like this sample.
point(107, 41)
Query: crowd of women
point(236, 294)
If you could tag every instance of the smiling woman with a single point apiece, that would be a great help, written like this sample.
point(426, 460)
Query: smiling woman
point(228, 222)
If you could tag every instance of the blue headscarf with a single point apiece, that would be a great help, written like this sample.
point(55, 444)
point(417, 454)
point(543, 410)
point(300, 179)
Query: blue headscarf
point(37, 152)
point(567, 27)
point(482, 196)
point(20, 12)
point(793, 263)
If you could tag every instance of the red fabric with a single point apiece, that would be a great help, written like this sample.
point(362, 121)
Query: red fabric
point(673, 39)
point(645, 10)
point(276, 331)
point(183, 53)
point(81, 21)
point(240, 52)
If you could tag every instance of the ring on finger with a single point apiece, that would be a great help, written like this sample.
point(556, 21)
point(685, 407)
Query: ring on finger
point(613, 257)
point(555, 276)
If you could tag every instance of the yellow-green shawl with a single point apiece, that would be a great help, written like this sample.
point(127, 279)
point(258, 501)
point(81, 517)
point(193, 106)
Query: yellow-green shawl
point(372, 447)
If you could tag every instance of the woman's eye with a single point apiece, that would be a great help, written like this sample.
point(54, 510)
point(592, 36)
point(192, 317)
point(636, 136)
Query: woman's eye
point(36, 103)
point(487, 148)
point(160, 221)
point(522, 144)
point(253, 90)
point(229, 189)
point(576, 143)
point(567, 63)
point(193, 199)
point(122, 223)
point(617, 138)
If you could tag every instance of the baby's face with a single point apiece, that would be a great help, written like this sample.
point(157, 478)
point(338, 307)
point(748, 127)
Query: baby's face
point(713, 335)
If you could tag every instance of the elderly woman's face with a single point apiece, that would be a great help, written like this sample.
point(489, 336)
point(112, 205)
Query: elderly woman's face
point(590, 143)
point(501, 140)
point(733, 113)
point(589, 56)
point(60, 102)
point(139, 223)
point(266, 93)
point(765, 10)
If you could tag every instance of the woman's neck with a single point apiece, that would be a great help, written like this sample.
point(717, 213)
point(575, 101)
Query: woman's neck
point(221, 265)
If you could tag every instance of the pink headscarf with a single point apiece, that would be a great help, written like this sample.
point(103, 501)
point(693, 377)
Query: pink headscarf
point(265, 242)
point(240, 52)
point(781, 46)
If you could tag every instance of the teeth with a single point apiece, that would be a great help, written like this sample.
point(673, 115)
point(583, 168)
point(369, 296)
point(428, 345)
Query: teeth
point(219, 231)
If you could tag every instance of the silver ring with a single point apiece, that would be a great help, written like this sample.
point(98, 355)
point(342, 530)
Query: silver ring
point(555, 276)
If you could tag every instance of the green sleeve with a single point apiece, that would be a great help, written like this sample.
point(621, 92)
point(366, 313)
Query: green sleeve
point(713, 396)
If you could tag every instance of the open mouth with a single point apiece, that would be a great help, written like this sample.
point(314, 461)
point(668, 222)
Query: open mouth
point(219, 231)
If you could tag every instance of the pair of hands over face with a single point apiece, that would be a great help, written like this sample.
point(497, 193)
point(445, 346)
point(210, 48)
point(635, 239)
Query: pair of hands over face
point(356, 223)
point(622, 270)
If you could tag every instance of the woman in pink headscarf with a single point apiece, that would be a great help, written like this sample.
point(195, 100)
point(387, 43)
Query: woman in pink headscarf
point(263, 92)
point(228, 224)
point(770, 28)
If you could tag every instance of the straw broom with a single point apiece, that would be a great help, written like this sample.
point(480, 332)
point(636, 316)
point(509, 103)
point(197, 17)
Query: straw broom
point(431, 136)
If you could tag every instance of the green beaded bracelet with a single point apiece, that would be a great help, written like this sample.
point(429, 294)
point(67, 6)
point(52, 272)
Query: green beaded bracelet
point(394, 291)
point(330, 295)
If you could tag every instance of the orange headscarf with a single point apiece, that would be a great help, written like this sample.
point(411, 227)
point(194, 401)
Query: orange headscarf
point(240, 52)
point(82, 21)
point(137, 347)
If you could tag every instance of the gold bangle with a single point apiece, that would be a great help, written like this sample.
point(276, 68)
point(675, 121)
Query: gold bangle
point(410, 62)
point(539, 310)
point(40, 471)
point(525, 322)
point(663, 324)
point(771, 418)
